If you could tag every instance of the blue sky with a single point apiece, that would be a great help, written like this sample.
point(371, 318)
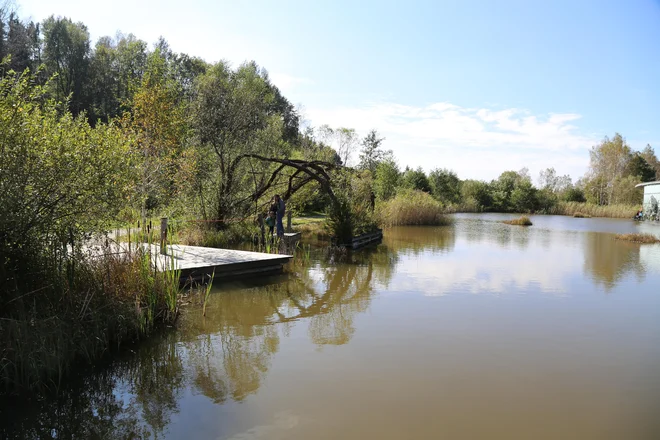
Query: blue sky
point(476, 86)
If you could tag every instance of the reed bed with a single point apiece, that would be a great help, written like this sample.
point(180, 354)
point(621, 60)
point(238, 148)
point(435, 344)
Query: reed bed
point(412, 208)
point(590, 210)
point(79, 308)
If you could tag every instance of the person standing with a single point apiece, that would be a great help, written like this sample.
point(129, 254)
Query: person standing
point(281, 207)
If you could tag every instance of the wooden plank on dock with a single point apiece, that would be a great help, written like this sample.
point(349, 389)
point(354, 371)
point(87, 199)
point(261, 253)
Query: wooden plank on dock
point(197, 262)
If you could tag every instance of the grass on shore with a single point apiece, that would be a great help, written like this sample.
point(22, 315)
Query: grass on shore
point(522, 221)
point(638, 238)
point(590, 210)
point(412, 207)
point(581, 215)
point(78, 309)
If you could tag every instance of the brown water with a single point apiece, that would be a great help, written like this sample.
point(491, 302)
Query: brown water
point(476, 331)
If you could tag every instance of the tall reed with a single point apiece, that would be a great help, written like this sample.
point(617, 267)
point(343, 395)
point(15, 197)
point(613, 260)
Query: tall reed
point(589, 209)
point(412, 207)
point(80, 306)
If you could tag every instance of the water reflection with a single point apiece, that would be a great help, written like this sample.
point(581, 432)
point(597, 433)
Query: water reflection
point(608, 260)
point(134, 398)
point(224, 358)
point(419, 240)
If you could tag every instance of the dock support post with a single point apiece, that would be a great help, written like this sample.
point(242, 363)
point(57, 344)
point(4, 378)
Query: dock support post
point(288, 221)
point(163, 235)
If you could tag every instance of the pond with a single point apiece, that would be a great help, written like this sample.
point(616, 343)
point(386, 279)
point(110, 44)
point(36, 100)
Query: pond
point(475, 331)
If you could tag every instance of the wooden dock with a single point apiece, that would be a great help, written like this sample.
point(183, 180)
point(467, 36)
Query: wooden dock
point(198, 263)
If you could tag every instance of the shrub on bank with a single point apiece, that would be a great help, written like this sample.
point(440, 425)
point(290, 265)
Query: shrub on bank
point(412, 207)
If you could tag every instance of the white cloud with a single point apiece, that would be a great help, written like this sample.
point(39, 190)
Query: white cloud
point(476, 142)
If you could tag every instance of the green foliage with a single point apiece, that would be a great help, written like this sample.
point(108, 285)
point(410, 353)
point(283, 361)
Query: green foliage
point(513, 191)
point(66, 53)
point(416, 179)
point(58, 176)
point(524, 197)
point(371, 154)
point(609, 162)
point(231, 118)
point(640, 168)
point(387, 179)
point(445, 186)
point(476, 195)
point(61, 181)
point(573, 194)
point(352, 214)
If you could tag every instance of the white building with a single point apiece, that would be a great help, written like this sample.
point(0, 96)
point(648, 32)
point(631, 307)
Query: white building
point(651, 197)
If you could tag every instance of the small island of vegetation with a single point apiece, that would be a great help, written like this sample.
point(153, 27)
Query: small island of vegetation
point(522, 221)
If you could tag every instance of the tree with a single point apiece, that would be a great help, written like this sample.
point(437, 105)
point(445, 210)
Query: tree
point(344, 139)
point(445, 185)
point(476, 195)
point(648, 153)
point(371, 154)
point(156, 124)
point(386, 179)
point(608, 162)
point(504, 187)
point(18, 44)
point(66, 54)
point(416, 179)
point(524, 196)
point(131, 60)
point(232, 121)
point(640, 168)
point(104, 81)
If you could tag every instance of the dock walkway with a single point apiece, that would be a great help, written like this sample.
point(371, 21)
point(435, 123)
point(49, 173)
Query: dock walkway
point(197, 263)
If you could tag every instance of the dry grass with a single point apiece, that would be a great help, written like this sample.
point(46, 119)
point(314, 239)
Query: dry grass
point(522, 221)
point(590, 210)
point(412, 208)
point(581, 215)
point(638, 238)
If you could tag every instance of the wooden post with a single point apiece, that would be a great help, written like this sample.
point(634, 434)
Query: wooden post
point(163, 235)
point(288, 222)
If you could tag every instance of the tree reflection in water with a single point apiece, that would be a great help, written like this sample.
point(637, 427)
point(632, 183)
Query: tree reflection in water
point(223, 356)
point(134, 397)
point(608, 260)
